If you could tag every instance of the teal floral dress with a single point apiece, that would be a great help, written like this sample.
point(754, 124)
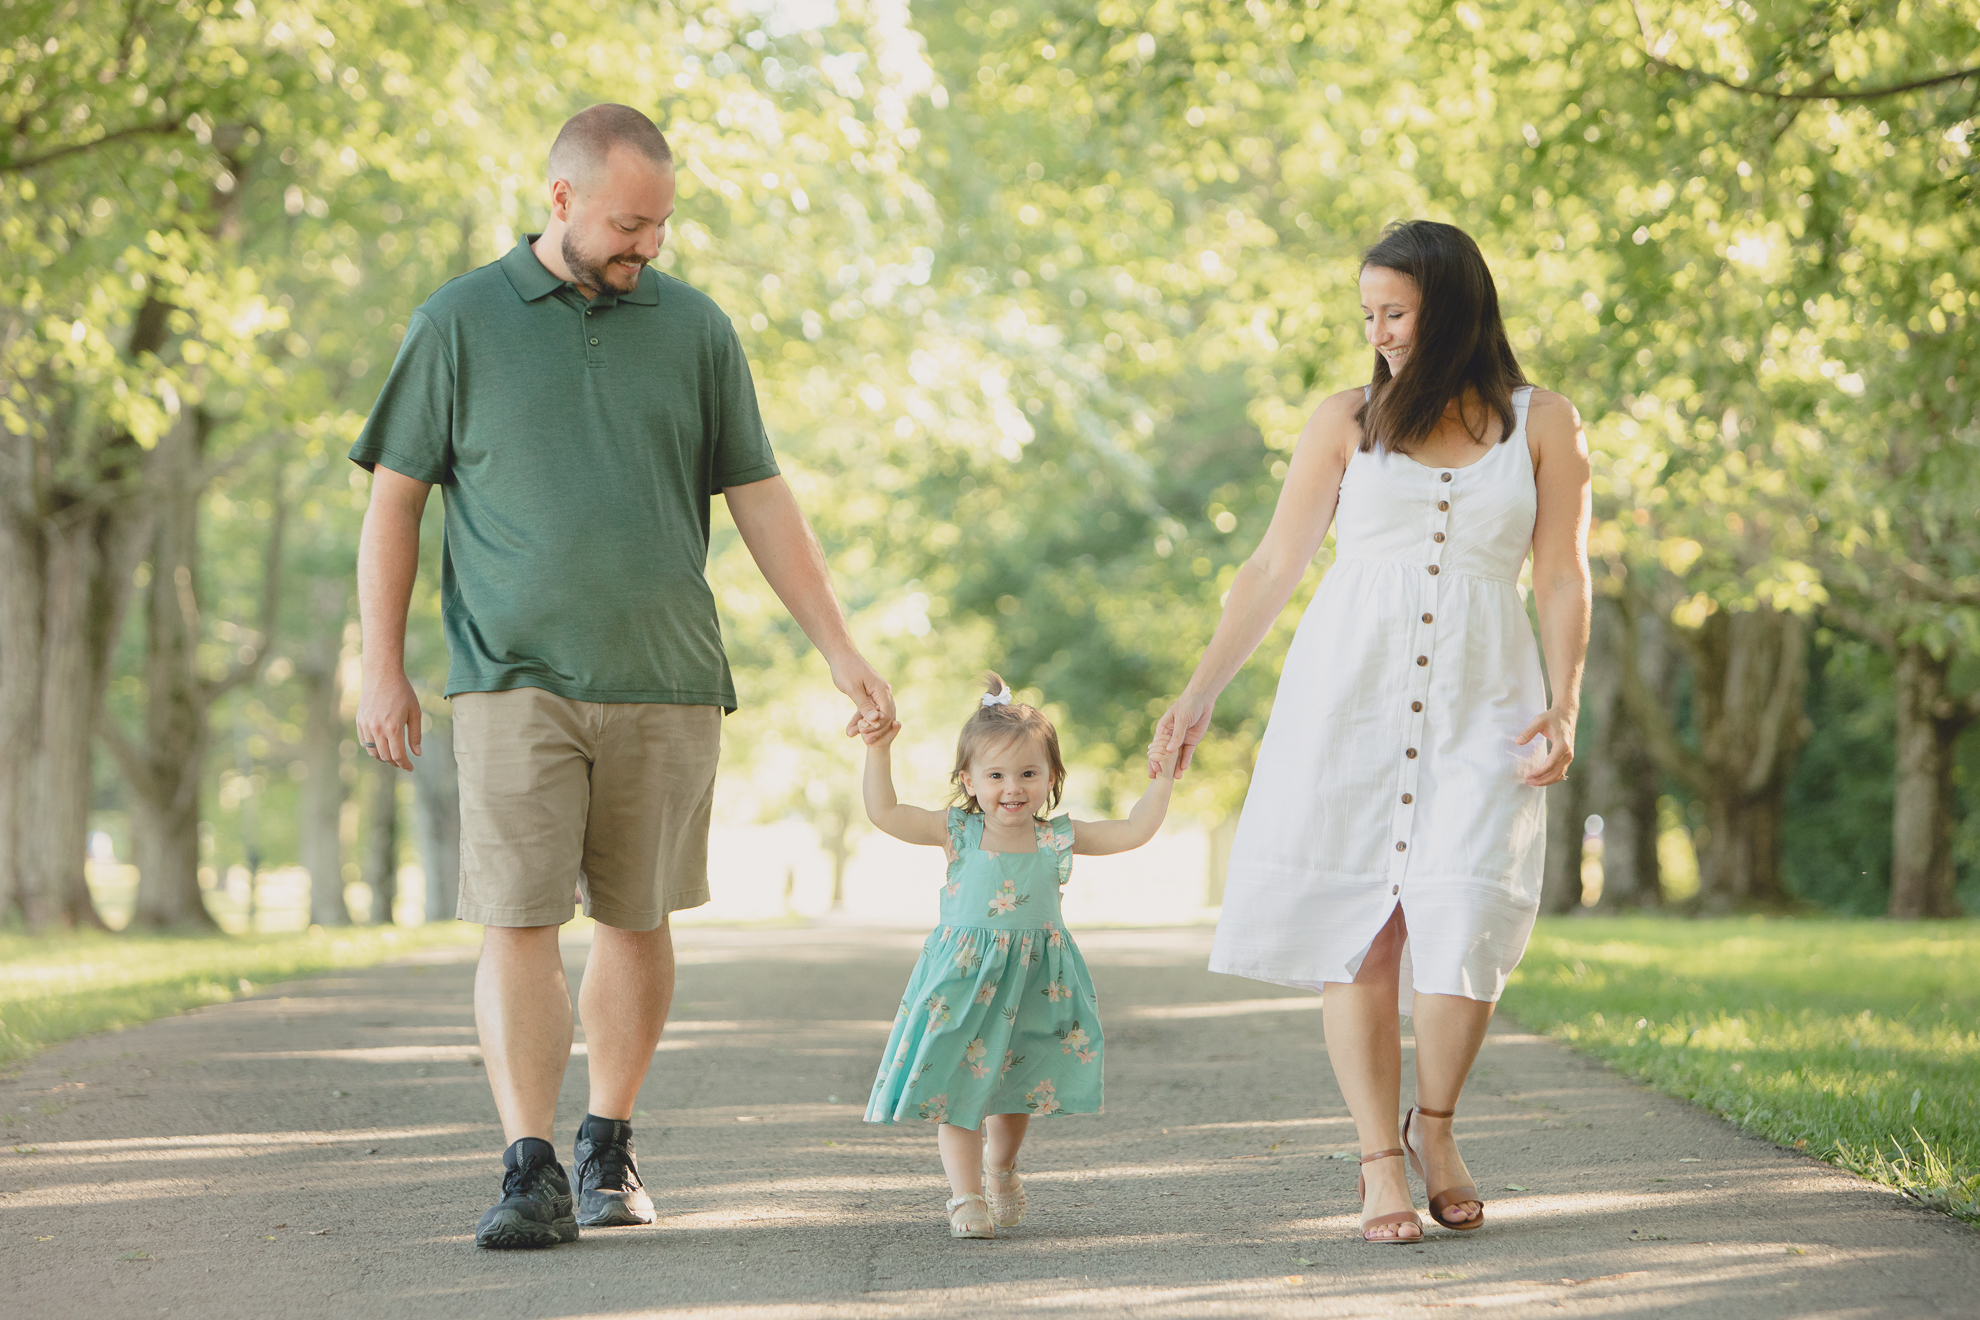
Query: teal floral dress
point(1000, 1015)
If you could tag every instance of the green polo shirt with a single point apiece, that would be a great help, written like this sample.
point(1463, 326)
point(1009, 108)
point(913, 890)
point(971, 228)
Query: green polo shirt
point(578, 445)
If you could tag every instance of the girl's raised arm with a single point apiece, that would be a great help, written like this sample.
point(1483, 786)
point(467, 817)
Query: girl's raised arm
point(1097, 838)
point(885, 809)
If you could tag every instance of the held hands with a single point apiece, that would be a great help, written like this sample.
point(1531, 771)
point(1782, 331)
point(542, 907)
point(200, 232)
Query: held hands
point(388, 719)
point(1557, 727)
point(872, 698)
point(1182, 726)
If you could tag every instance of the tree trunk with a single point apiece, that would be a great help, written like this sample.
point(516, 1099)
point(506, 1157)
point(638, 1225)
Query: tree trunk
point(381, 843)
point(1622, 776)
point(1567, 817)
point(1750, 670)
point(20, 681)
point(1217, 869)
point(437, 818)
point(323, 777)
point(164, 774)
point(84, 565)
point(1929, 722)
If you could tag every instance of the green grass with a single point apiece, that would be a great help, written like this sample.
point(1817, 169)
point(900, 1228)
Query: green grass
point(1857, 1041)
point(55, 987)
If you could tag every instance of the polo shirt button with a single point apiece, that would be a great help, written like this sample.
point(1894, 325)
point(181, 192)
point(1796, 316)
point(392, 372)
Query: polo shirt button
point(1400, 847)
point(1433, 567)
point(1422, 659)
point(1416, 706)
point(1443, 506)
point(1407, 799)
point(1438, 537)
point(594, 341)
point(1447, 476)
point(1411, 753)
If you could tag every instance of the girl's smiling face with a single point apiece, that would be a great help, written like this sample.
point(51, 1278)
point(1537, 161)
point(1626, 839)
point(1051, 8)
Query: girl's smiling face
point(1389, 304)
point(1011, 781)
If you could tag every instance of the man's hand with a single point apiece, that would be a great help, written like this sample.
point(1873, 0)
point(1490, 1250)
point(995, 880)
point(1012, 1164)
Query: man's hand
point(388, 719)
point(872, 698)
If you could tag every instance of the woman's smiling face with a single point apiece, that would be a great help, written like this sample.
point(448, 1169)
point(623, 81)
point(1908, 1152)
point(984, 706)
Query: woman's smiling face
point(1389, 304)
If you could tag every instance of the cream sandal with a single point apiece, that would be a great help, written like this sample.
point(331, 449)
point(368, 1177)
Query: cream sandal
point(1006, 1207)
point(969, 1217)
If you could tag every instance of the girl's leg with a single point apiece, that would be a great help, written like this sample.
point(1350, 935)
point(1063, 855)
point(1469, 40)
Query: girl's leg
point(962, 1158)
point(1002, 1135)
point(1364, 1044)
point(1449, 1031)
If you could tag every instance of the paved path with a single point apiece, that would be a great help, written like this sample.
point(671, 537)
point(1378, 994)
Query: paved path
point(324, 1150)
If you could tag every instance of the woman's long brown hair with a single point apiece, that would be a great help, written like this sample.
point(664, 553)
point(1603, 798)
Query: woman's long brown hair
point(1459, 341)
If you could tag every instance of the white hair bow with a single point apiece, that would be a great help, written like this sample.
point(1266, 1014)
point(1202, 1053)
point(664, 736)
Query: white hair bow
point(998, 698)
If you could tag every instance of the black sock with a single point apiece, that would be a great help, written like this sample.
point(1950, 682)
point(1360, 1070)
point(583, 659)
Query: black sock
point(616, 1131)
point(527, 1151)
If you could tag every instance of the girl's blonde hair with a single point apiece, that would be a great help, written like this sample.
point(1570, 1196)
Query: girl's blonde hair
point(994, 725)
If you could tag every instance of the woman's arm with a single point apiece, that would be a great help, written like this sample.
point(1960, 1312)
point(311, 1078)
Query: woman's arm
point(1097, 838)
point(1560, 571)
point(884, 809)
point(1267, 580)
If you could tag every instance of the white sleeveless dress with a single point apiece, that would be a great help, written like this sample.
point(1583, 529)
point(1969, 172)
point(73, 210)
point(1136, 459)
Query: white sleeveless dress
point(1388, 774)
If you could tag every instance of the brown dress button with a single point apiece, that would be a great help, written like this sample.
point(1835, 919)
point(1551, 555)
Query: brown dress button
point(1407, 799)
point(1438, 537)
point(1443, 506)
point(1426, 618)
point(1422, 660)
point(1395, 889)
point(1416, 705)
point(1411, 753)
point(1433, 570)
point(1400, 847)
point(1447, 476)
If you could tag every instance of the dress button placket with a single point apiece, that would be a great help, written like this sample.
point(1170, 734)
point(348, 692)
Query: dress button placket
point(1423, 654)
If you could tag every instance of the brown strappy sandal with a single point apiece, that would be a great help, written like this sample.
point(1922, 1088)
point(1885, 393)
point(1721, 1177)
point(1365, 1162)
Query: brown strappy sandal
point(1399, 1217)
point(1441, 1202)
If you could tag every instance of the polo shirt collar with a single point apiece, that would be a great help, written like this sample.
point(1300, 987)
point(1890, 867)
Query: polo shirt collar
point(532, 280)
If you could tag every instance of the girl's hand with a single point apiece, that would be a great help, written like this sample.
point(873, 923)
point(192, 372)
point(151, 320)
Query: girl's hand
point(1557, 727)
point(881, 736)
point(1182, 726)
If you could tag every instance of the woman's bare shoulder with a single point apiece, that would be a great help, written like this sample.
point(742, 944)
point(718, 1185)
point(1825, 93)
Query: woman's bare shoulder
point(1551, 409)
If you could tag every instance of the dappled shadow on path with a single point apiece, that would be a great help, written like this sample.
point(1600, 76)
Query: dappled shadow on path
point(332, 1145)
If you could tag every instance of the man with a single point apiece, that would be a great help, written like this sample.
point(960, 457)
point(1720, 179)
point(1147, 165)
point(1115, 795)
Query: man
point(580, 410)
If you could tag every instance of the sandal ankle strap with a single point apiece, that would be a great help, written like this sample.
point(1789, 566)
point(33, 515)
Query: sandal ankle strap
point(1382, 1155)
point(1436, 1113)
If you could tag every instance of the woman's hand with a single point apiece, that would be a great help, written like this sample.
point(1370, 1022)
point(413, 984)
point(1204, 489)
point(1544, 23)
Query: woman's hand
point(1557, 727)
point(1182, 726)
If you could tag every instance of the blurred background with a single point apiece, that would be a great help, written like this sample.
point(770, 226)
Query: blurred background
point(1038, 297)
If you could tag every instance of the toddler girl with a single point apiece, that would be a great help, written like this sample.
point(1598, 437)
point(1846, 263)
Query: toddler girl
point(998, 1022)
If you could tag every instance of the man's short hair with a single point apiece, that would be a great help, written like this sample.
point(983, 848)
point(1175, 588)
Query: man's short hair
point(589, 135)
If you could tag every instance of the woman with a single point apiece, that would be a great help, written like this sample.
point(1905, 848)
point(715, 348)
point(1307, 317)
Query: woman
point(1391, 844)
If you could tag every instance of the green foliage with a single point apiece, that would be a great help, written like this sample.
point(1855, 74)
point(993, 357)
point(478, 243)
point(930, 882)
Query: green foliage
point(1858, 1043)
point(53, 988)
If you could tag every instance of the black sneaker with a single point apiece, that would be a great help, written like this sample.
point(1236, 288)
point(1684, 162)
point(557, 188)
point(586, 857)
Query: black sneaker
point(535, 1209)
point(609, 1192)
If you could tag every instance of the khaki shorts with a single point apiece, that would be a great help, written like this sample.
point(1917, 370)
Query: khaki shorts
point(566, 801)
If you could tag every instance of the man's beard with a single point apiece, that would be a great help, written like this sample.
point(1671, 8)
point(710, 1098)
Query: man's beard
point(591, 274)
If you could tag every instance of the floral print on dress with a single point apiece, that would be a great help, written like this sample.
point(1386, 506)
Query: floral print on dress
point(999, 1014)
point(1007, 899)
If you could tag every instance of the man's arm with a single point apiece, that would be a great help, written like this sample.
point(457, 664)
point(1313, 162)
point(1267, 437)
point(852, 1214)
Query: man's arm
point(781, 542)
point(388, 559)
